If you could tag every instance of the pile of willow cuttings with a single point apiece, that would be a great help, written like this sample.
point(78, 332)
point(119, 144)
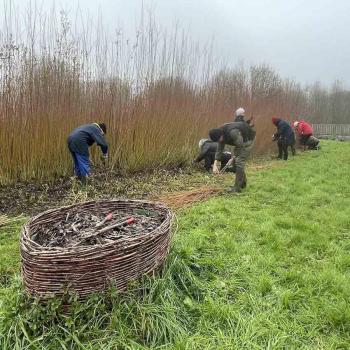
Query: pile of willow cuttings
point(183, 199)
point(81, 228)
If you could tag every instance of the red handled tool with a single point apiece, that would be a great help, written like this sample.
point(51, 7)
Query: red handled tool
point(107, 218)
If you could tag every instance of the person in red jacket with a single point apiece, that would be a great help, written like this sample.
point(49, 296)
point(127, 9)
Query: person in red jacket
point(305, 131)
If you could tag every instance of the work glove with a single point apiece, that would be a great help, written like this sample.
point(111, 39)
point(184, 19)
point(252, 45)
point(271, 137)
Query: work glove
point(216, 167)
point(231, 160)
point(251, 122)
point(104, 158)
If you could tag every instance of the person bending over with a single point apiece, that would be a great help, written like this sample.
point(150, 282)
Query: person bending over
point(305, 133)
point(241, 136)
point(79, 142)
point(284, 136)
point(207, 149)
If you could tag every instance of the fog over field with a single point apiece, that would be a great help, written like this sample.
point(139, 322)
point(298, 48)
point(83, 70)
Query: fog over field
point(304, 40)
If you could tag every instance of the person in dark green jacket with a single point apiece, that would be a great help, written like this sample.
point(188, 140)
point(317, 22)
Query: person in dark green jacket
point(242, 136)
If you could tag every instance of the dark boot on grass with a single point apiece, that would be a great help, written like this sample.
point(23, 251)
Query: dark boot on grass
point(244, 183)
point(238, 181)
point(280, 150)
point(83, 180)
point(292, 147)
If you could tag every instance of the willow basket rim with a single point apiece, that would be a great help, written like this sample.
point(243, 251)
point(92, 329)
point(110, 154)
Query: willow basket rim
point(36, 248)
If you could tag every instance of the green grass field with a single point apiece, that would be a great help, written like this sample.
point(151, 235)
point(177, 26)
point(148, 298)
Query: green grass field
point(266, 269)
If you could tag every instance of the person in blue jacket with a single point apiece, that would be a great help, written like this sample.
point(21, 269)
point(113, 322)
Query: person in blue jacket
point(79, 142)
point(284, 136)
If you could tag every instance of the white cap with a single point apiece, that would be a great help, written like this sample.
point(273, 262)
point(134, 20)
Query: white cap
point(202, 142)
point(240, 111)
point(296, 124)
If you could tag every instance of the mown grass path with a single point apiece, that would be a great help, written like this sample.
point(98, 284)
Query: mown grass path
point(266, 269)
point(280, 253)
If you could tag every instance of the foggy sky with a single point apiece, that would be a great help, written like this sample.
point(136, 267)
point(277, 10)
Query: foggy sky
point(306, 40)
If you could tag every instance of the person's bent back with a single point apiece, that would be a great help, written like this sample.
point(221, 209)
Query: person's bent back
point(305, 133)
point(79, 142)
point(207, 153)
point(241, 136)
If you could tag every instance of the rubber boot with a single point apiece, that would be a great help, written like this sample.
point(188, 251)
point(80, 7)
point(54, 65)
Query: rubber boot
point(244, 183)
point(280, 151)
point(238, 181)
point(83, 180)
point(293, 150)
point(313, 143)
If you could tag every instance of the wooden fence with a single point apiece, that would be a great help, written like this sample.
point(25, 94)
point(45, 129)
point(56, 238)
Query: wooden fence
point(331, 129)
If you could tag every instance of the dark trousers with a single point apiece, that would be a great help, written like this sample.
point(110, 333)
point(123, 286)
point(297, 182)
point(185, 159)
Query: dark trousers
point(313, 142)
point(242, 155)
point(292, 147)
point(208, 161)
point(282, 150)
point(304, 139)
point(81, 165)
point(309, 141)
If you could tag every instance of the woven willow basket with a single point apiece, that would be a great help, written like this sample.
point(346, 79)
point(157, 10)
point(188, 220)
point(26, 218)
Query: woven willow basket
point(51, 271)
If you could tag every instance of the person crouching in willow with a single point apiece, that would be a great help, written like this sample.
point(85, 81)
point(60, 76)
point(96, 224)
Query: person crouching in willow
point(79, 142)
point(242, 137)
point(207, 153)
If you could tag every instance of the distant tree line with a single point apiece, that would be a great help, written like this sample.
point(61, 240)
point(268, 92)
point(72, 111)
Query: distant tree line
point(329, 105)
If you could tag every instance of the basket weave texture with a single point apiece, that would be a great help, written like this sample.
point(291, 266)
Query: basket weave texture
point(51, 271)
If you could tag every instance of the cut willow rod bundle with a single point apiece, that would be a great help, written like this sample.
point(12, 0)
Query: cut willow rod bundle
point(88, 268)
point(184, 199)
